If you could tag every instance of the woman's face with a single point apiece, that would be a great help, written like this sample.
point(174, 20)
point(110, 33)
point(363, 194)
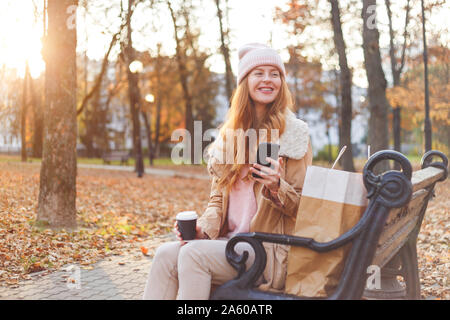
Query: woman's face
point(264, 84)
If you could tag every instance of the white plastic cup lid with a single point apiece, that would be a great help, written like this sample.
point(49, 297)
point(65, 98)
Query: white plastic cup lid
point(187, 215)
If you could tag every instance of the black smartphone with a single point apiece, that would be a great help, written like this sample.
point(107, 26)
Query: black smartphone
point(266, 149)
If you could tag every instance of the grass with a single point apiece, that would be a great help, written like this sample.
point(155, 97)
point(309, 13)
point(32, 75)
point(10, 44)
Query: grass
point(157, 162)
point(98, 161)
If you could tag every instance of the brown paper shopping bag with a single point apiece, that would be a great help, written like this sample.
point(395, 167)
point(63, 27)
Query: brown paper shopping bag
point(332, 202)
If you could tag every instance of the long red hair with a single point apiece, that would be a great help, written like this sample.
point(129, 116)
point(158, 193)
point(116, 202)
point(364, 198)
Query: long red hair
point(242, 115)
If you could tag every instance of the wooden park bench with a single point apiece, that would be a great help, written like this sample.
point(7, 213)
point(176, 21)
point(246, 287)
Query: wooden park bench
point(116, 155)
point(385, 236)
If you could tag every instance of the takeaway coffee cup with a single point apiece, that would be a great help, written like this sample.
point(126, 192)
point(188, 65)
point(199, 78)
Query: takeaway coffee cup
point(187, 221)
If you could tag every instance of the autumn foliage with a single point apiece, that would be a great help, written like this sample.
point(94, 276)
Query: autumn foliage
point(410, 97)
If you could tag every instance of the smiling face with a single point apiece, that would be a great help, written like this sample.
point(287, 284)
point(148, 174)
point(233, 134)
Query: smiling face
point(264, 84)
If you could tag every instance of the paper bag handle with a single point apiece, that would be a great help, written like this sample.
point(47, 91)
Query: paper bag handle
point(339, 156)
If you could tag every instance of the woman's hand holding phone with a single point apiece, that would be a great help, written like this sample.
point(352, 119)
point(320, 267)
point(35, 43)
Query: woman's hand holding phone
point(269, 177)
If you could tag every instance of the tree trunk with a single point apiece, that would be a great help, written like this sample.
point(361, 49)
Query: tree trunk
point(90, 124)
point(229, 83)
point(158, 124)
point(330, 149)
point(182, 68)
point(346, 89)
point(101, 75)
point(38, 138)
point(379, 106)
point(57, 192)
point(396, 73)
point(338, 97)
point(23, 114)
point(428, 138)
point(397, 129)
point(134, 96)
point(158, 101)
point(297, 102)
point(148, 130)
point(38, 125)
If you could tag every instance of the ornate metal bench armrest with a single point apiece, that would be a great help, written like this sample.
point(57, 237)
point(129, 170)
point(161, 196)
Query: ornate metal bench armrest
point(427, 162)
point(304, 242)
point(255, 239)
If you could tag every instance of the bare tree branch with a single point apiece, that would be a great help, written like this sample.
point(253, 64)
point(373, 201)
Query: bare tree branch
point(100, 76)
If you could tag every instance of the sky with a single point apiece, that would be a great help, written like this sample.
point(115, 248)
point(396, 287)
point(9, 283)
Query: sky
point(251, 21)
point(20, 39)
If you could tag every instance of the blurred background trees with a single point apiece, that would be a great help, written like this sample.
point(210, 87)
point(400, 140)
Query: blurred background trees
point(356, 83)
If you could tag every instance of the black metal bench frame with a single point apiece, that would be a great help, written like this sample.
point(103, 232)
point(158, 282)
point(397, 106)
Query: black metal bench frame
point(392, 189)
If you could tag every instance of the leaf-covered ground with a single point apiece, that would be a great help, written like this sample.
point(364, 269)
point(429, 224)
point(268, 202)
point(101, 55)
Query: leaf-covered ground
point(433, 246)
point(117, 211)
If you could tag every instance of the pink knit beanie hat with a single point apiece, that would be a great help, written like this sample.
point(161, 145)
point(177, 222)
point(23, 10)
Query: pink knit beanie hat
point(255, 54)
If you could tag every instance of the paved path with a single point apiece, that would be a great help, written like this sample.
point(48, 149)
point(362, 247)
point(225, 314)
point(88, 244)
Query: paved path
point(114, 278)
point(160, 172)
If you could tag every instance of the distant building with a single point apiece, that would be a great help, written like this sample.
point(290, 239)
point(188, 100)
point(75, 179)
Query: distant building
point(9, 143)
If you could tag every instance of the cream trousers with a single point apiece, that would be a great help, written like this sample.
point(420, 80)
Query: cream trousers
point(187, 272)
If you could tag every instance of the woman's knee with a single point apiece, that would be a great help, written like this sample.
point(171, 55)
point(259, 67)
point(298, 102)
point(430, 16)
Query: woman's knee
point(192, 253)
point(167, 253)
point(188, 251)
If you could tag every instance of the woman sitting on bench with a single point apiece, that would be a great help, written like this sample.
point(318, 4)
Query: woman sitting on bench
point(240, 202)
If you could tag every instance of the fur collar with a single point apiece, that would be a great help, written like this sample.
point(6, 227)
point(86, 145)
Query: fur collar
point(293, 142)
point(295, 138)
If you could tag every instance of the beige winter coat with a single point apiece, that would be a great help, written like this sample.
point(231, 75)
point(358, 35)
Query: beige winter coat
point(295, 148)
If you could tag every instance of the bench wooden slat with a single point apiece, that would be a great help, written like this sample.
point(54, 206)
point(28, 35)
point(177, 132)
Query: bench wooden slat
point(399, 213)
point(385, 253)
point(396, 232)
point(423, 178)
point(402, 221)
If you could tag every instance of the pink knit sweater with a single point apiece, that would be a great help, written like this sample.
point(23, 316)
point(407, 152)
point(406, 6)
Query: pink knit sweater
point(242, 205)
